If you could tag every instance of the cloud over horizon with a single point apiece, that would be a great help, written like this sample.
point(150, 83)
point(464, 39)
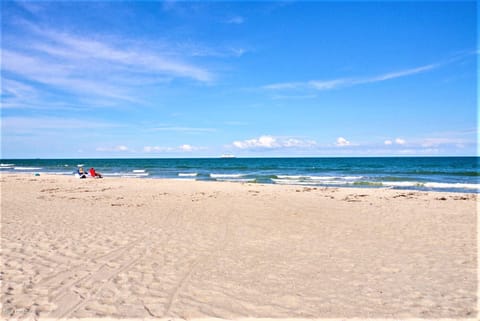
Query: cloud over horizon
point(165, 149)
point(271, 142)
point(341, 142)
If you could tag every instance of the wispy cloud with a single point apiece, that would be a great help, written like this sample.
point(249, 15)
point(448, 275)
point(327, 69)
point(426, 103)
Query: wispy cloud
point(399, 74)
point(67, 77)
point(185, 129)
point(18, 125)
point(322, 85)
point(197, 49)
point(438, 141)
point(100, 67)
point(30, 6)
point(235, 20)
point(16, 94)
point(453, 140)
point(74, 47)
point(236, 123)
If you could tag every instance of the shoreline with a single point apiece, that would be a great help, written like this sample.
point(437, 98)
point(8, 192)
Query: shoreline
point(136, 248)
point(188, 179)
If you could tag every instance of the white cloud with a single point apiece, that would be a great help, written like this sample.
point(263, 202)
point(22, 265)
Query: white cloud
point(185, 129)
point(12, 125)
point(158, 149)
point(261, 142)
point(163, 149)
point(271, 142)
point(236, 123)
point(236, 20)
point(284, 97)
point(238, 52)
point(329, 84)
point(17, 89)
point(449, 140)
point(73, 47)
point(321, 85)
point(342, 142)
point(186, 148)
point(285, 85)
point(64, 77)
point(30, 6)
point(398, 74)
point(119, 148)
point(105, 70)
point(433, 142)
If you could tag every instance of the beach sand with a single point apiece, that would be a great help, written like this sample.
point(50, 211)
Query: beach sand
point(143, 248)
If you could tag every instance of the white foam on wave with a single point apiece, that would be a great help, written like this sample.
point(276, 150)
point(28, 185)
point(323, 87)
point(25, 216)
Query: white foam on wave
point(319, 178)
point(308, 182)
point(402, 184)
point(113, 174)
point(335, 183)
point(432, 185)
point(226, 175)
point(452, 185)
point(290, 177)
point(126, 174)
point(345, 181)
point(330, 178)
point(238, 180)
point(351, 177)
point(290, 182)
point(135, 175)
point(25, 168)
point(187, 174)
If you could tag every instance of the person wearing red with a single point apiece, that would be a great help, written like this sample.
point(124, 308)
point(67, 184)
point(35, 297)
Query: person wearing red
point(94, 174)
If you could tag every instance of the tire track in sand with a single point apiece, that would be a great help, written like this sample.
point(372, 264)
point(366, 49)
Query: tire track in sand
point(187, 277)
point(112, 255)
point(74, 300)
point(104, 278)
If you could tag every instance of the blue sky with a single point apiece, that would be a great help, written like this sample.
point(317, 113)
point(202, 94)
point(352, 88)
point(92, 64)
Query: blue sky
point(198, 79)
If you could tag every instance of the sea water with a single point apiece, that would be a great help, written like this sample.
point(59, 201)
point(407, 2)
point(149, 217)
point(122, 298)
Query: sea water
point(457, 174)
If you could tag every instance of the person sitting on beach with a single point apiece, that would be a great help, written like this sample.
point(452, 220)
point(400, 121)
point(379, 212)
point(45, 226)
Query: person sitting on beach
point(81, 173)
point(94, 174)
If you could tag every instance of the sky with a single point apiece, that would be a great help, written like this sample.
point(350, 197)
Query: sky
point(98, 79)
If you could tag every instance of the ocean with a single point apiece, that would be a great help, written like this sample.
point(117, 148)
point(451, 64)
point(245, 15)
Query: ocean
point(454, 174)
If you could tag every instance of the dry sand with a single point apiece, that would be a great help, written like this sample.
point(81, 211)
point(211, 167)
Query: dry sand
point(142, 248)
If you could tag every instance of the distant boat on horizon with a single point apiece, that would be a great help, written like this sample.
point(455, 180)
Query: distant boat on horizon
point(228, 155)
